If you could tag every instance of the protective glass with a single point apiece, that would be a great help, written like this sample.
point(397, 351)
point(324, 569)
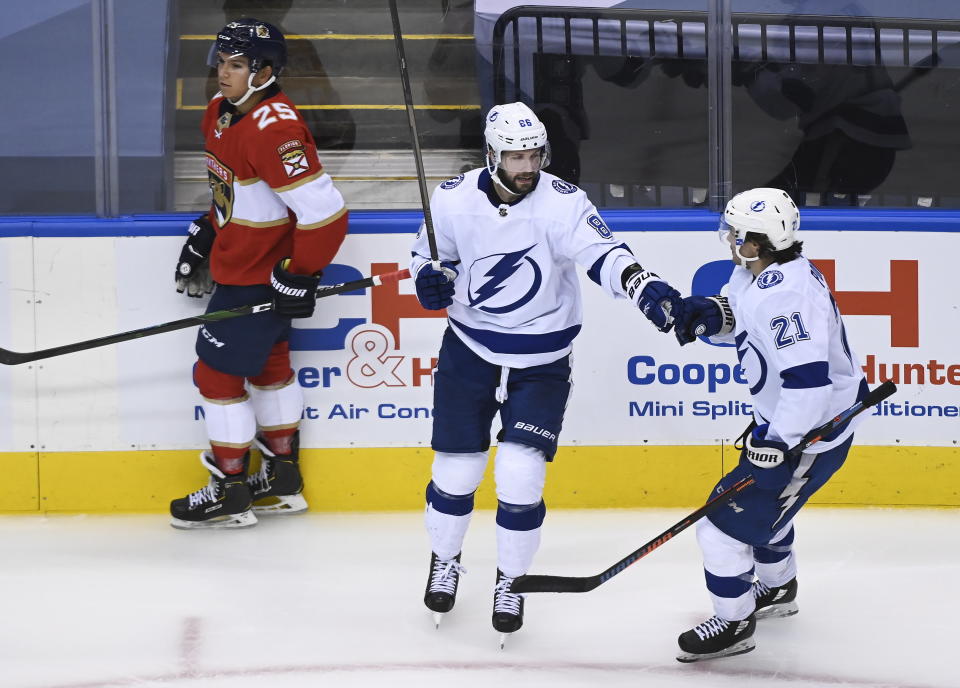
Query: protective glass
point(212, 55)
point(516, 162)
point(724, 229)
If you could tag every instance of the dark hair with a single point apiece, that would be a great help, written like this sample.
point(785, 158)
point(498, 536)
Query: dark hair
point(784, 255)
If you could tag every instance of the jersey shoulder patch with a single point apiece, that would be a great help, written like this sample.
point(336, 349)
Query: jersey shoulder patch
point(769, 278)
point(564, 187)
point(452, 183)
point(600, 226)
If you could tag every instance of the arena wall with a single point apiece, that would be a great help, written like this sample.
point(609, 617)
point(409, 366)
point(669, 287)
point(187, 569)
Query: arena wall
point(649, 424)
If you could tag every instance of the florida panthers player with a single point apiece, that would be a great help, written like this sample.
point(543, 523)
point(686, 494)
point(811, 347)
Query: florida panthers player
point(793, 347)
point(275, 222)
point(509, 237)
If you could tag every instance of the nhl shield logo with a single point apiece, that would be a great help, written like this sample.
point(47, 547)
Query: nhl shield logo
point(262, 31)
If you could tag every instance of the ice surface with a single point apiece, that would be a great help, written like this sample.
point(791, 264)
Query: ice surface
point(336, 600)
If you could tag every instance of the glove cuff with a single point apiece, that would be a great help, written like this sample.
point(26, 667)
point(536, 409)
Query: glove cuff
point(726, 312)
point(635, 279)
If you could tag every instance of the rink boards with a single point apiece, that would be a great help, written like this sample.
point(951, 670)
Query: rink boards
point(649, 424)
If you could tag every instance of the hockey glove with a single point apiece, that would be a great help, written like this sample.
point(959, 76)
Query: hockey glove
point(435, 287)
point(656, 299)
point(294, 296)
point(704, 316)
point(193, 267)
point(766, 458)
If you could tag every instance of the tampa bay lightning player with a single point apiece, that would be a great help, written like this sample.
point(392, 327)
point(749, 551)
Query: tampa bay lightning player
point(510, 235)
point(793, 347)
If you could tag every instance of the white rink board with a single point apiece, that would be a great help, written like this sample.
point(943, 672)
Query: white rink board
point(139, 394)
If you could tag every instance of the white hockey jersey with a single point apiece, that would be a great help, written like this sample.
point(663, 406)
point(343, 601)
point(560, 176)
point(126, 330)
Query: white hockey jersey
point(517, 300)
point(793, 348)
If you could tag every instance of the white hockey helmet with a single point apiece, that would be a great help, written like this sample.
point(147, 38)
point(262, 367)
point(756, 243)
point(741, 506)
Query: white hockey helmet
point(770, 212)
point(513, 127)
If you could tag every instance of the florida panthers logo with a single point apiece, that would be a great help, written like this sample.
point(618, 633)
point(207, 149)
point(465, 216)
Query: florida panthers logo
point(220, 178)
point(504, 282)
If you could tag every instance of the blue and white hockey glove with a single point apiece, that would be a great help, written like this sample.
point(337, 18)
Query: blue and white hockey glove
point(766, 458)
point(193, 266)
point(703, 316)
point(435, 287)
point(656, 299)
point(294, 296)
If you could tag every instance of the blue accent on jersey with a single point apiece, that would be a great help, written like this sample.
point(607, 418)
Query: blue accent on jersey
point(452, 183)
point(727, 586)
point(564, 187)
point(453, 505)
point(769, 278)
point(594, 272)
point(511, 343)
point(521, 516)
point(503, 270)
point(806, 376)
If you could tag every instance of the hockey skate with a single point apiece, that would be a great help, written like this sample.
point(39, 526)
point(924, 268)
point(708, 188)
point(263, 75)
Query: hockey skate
point(717, 637)
point(507, 608)
point(442, 583)
point(773, 603)
point(224, 502)
point(277, 487)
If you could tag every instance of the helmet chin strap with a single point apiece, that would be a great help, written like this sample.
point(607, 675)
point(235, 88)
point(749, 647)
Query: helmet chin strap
point(251, 89)
point(742, 257)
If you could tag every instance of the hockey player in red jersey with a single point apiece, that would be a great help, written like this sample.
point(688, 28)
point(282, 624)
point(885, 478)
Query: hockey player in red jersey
point(276, 220)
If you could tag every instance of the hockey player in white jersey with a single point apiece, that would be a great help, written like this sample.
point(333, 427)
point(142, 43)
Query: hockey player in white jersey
point(793, 347)
point(510, 236)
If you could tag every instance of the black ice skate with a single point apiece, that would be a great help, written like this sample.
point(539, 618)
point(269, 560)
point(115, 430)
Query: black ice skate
point(278, 486)
point(507, 608)
point(717, 637)
point(775, 602)
point(224, 503)
point(442, 583)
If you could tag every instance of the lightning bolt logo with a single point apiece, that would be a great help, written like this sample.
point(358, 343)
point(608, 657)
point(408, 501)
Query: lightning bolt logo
point(498, 274)
point(791, 493)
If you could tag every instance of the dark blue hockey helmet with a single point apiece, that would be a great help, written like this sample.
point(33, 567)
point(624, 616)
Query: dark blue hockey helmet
point(261, 43)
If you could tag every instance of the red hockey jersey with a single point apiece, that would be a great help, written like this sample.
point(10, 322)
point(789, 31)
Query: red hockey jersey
point(271, 197)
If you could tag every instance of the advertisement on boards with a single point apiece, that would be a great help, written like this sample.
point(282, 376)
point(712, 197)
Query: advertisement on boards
point(365, 359)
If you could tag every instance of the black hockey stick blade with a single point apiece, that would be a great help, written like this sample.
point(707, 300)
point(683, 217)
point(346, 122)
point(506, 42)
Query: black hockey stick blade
point(8, 357)
point(544, 583)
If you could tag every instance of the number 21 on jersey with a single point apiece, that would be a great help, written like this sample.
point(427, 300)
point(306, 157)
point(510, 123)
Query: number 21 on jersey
point(788, 330)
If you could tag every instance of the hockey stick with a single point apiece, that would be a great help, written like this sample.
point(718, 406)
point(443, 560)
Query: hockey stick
point(417, 153)
point(8, 357)
point(542, 583)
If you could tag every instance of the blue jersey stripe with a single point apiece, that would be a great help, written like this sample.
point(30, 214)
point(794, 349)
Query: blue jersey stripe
point(806, 376)
point(510, 343)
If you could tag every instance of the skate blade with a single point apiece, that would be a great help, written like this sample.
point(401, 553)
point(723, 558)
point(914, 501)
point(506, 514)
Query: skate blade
point(503, 640)
point(741, 648)
point(777, 611)
point(437, 618)
point(287, 504)
point(244, 520)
